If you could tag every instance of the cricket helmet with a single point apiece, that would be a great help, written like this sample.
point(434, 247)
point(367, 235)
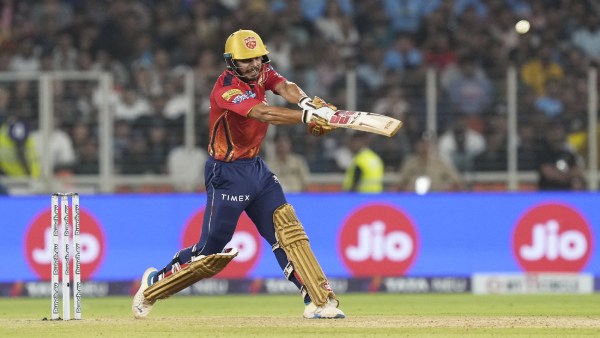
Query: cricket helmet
point(244, 44)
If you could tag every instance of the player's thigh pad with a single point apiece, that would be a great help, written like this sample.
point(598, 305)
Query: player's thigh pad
point(199, 268)
point(292, 238)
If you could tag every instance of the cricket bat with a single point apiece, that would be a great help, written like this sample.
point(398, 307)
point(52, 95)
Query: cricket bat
point(364, 121)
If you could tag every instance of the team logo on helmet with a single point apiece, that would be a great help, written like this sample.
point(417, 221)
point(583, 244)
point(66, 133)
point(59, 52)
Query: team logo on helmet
point(250, 42)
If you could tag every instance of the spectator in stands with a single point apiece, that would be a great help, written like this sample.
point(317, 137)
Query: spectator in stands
point(204, 71)
point(80, 132)
point(494, 156)
point(439, 52)
point(337, 28)
point(206, 21)
point(403, 54)
point(27, 57)
point(329, 68)
point(393, 149)
point(123, 134)
point(587, 36)
point(468, 88)
point(425, 171)
point(314, 9)
point(23, 103)
point(503, 31)
point(52, 10)
point(280, 50)
point(527, 147)
point(142, 80)
point(84, 61)
point(88, 159)
point(177, 104)
point(540, 69)
point(290, 168)
point(185, 166)
point(130, 105)
point(62, 153)
point(84, 143)
point(158, 146)
point(406, 15)
point(160, 70)
point(103, 61)
point(365, 173)
point(135, 158)
point(460, 144)
point(394, 103)
point(559, 167)
point(551, 102)
point(373, 72)
point(64, 54)
point(303, 71)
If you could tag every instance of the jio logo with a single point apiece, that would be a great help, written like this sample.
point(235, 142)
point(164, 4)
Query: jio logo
point(552, 237)
point(245, 238)
point(378, 240)
point(38, 244)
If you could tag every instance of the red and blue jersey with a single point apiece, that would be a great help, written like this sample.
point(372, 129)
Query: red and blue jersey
point(232, 135)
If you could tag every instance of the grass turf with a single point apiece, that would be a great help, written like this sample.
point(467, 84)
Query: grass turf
point(368, 315)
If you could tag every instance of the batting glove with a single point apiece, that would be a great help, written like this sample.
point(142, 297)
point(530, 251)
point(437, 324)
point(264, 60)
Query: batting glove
point(320, 116)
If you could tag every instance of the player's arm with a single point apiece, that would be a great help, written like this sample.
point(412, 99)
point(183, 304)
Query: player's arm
point(316, 108)
point(290, 91)
point(275, 115)
point(316, 114)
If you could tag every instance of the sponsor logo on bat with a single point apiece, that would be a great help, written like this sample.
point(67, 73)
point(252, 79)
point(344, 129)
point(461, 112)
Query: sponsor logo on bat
point(343, 117)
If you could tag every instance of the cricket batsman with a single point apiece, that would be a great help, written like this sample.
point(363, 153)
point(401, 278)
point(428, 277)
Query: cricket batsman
point(238, 121)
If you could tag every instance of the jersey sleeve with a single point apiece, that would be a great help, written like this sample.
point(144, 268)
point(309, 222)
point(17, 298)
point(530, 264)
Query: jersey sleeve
point(236, 99)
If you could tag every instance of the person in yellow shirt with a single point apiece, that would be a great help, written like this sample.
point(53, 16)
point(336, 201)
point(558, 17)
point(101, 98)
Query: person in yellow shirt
point(18, 156)
point(365, 173)
point(539, 70)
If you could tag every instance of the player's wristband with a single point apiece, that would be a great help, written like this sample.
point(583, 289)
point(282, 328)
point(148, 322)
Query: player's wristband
point(306, 103)
point(306, 115)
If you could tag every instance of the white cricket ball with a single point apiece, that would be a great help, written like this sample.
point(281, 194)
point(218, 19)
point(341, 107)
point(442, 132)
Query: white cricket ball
point(522, 26)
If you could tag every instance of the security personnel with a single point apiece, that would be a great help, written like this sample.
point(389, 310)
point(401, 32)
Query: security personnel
point(18, 156)
point(365, 173)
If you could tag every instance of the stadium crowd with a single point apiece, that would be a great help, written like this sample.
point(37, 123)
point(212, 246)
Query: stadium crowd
point(149, 44)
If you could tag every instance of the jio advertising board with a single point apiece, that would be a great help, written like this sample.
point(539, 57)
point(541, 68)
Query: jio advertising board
point(352, 235)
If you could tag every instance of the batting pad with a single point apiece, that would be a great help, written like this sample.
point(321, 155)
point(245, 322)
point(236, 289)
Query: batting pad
point(293, 240)
point(201, 268)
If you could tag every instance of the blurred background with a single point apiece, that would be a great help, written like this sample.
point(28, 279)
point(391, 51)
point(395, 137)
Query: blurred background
point(112, 96)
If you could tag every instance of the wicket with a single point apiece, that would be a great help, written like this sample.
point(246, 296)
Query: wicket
point(61, 201)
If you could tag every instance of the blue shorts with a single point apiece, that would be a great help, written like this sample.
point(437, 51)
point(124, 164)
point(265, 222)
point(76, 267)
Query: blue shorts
point(231, 188)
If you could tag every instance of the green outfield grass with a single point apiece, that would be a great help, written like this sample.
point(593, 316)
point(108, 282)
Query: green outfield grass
point(368, 315)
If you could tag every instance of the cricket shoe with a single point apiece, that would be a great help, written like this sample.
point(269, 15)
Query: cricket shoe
point(142, 307)
point(328, 311)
